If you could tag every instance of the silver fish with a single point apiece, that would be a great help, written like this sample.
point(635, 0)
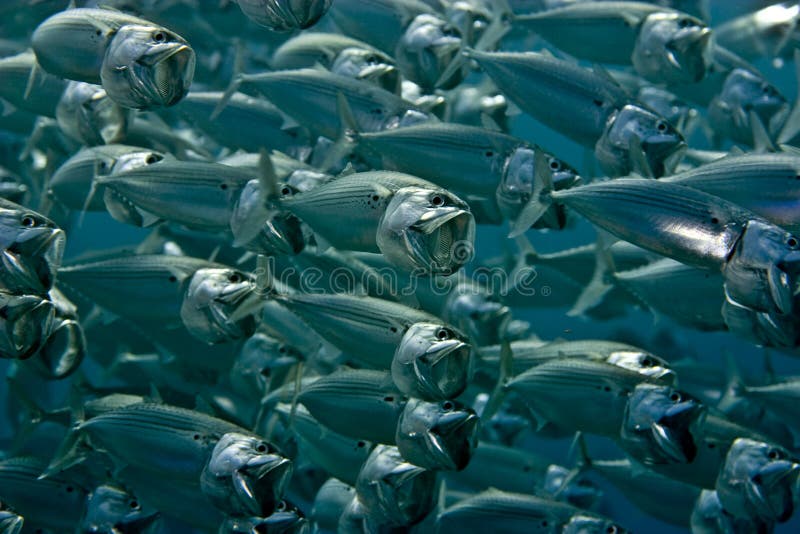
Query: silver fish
point(45, 89)
point(25, 325)
point(73, 182)
point(245, 475)
point(510, 512)
point(709, 517)
point(65, 347)
point(340, 54)
point(427, 358)
point(415, 224)
point(758, 480)
point(745, 98)
point(768, 32)
point(330, 502)
point(394, 491)
point(428, 46)
point(437, 436)
point(110, 508)
point(86, 114)
point(31, 247)
point(284, 15)
point(286, 518)
point(212, 297)
point(657, 425)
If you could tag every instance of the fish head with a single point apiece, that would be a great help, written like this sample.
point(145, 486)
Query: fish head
point(259, 357)
point(136, 159)
point(579, 491)
point(286, 519)
point(147, 67)
point(31, 248)
point(437, 435)
point(211, 300)
point(744, 92)
point(89, 116)
point(644, 363)
point(641, 141)
point(657, 425)
point(370, 65)
point(471, 19)
point(478, 313)
point(428, 230)
point(25, 322)
point(762, 272)
point(260, 228)
point(759, 479)
point(666, 104)
point(519, 179)
point(112, 509)
point(393, 489)
point(583, 523)
point(426, 49)
point(245, 475)
point(433, 362)
point(285, 15)
point(673, 48)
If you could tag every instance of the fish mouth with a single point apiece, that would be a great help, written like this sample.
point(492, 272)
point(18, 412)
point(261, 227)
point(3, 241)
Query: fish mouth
point(282, 234)
point(663, 152)
point(385, 76)
point(24, 321)
point(437, 239)
point(172, 70)
point(689, 52)
point(672, 433)
point(447, 362)
point(11, 523)
point(454, 438)
point(64, 351)
point(771, 490)
point(261, 484)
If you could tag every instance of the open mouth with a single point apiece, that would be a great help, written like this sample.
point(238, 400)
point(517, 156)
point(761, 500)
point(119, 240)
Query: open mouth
point(454, 438)
point(663, 153)
point(385, 76)
point(173, 70)
point(672, 433)
point(447, 370)
point(442, 238)
point(262, 483)
point(771, 489)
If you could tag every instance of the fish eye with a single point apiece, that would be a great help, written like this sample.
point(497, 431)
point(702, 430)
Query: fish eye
point(281, 506)
point(173, 278)
point(235, 278)
point(152, 158)
point(286, 191)
point(102, 165)
point(388, 398)
point(684, 23)
point(134, 505)
point(647, 362)
point(361, 444)
point(792, 242)
point(661, 126)
point(437, 200)
point(69, 489)
point(774, 454)
point(372, 58)
point(555, 165)
point(675, 397)
point(447, 406)
point(159, 37)
point(261, 448)
point(443, 334)
point(611, 529)
point(28, 221)
point(223, 186)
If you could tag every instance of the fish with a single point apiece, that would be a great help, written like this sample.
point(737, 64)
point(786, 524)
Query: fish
point(329, 503)
point(758, 480)
point(769, 31)
point(509, 512)
point(140, 64)
point(284, 15)
point(437, 436)
point(286, 518)
point(32, 249)
point(427, 358)
point(110, 508)
point(709, 516)
point(415, 224)
point(392, 490)
point(26, 323)
point(45, 90)
point(86, 114)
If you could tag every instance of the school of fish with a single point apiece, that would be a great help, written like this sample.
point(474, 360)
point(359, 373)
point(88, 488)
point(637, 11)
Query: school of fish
point(268, 266)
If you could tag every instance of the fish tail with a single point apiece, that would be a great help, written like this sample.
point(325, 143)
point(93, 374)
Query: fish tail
point(505, 372)
point(540, 199)
point(74, 449)
point(601, 282)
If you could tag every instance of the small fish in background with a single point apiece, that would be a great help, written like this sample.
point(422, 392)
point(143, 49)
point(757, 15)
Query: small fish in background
point(284, 15)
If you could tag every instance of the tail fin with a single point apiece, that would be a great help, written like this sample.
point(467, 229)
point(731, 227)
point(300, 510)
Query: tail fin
point(599, 286)
point(540, 197)
point(73, 450)
point(582, 463)
point(348, 135)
